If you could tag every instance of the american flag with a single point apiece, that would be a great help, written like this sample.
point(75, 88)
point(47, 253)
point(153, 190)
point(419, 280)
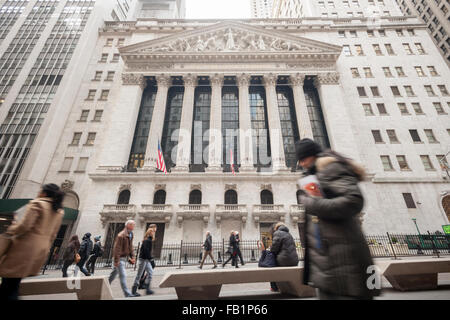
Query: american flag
point(232, 161)
point(160, 164)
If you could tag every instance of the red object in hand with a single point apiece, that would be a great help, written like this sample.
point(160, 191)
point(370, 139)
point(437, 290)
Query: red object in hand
point(313, 189)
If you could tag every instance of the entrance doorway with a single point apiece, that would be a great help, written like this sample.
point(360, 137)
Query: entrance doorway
point(158, 243)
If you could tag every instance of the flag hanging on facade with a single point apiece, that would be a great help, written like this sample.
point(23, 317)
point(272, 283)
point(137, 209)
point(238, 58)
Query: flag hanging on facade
point(160, 164)
point(232, 162)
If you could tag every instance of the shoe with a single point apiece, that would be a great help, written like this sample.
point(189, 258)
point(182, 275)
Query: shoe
point(199, 267)
point(133, 295)
point(237, 267)
point(273, 290)
point(134, 289)
point(215, 266)
point(149, 291)
point(223, 266)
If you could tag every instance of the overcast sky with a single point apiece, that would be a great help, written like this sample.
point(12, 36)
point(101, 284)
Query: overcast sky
point(217, 9)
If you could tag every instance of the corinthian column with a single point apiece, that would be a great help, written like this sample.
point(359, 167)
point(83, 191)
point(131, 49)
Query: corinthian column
point(301, 109)
point(187, 114)
point(116, 149)
point(215, 132)
point(273, 114)
point(337, 117)
point(157, 124)
point(245, 124)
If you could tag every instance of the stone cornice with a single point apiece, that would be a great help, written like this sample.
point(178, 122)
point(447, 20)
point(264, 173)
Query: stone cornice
point(133, 79)
point(326, 78)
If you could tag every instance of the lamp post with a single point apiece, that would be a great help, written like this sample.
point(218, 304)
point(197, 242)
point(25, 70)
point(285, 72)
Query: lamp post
point(419, 251)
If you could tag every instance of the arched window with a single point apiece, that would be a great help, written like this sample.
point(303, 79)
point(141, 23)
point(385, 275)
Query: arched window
point(231, 197)
point(124, 197)
point(159, 197)
point(266, 197)
point(195, 197)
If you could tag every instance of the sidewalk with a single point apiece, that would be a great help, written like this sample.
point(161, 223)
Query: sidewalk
point(254, 291)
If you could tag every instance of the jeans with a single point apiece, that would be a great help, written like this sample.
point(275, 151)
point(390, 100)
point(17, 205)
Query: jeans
point(9, 289)
point(205, 254)
point(67, 264)
point(81, 266)
point(122, 275)
point(234, 261)
point(144, 264)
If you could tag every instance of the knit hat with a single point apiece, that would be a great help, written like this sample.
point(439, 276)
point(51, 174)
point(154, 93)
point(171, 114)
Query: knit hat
point(307, 148)
point(97, 238)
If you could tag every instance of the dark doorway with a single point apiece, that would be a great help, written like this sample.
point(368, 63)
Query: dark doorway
point(159, 197)
point(124, 197)
point(266, 197)
point(195, 197)
point(231, 197)
point(158, 243)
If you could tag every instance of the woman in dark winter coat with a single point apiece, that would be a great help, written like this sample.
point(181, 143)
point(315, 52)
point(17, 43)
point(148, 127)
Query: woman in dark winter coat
point(145, 261)
point(70, 253)
point(337, 256)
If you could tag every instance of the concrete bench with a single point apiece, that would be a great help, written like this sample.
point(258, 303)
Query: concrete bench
point(408, 275)
point(88, 288)
point(206, 285)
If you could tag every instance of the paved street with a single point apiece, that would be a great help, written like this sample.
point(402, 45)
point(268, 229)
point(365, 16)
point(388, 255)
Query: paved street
point(252, 291)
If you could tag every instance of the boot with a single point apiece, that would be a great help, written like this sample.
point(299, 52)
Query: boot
point(134, 291)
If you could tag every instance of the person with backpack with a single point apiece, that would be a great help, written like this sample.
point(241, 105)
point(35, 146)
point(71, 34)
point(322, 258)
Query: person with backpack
point(145, 261)
point(85, 252)
point(97, 252)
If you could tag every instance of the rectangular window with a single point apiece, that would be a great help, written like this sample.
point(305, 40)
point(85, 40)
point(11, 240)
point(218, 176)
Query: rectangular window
point(367, 109)
point(368, 72)
point(428, 165)
point(120, 42)
point(90, 139)
point(417, 108)
point(91, 94)
point(403, 109)
point(377, 136)
point(82, 164)
point(355, 73)
point(377, 49)
point(76, 139)
point(346, 49)
point(387, 72)
point(438, 107)
point(109, 42)
point(419, 71)
point(430, 136)
point(359, 50)
point(409, 91)
point(399, 32)
point(395, 91)
point(381, 108)
point(402, 163)
point(98, 76)
point(411, 32)
point(382, 33)
point(400, 71)
point(116, 57)
point(67, 164)
point(84, 115)
point(430, 91)
point(407, 48)
point(392, 136)
point(420, 48)
point(104, 57)
point(443, 89)
point(375, 91)
point(98, 115)
point(432, 71)
point(415, 136)
point(386, 161)
point(409, 201)
point(353, 34)
point(362, 92)
point(341, 34)
point(389, 49)
point(442, 160)
point(370, 33)
point(110, 76)
point(104, 95)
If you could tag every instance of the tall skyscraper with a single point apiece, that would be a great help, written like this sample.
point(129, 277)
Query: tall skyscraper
point(261, 8)
point(437, 18)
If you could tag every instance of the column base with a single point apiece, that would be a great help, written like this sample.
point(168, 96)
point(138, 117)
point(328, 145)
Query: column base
point(247, 168)
point(180, 169)
point(214, 168)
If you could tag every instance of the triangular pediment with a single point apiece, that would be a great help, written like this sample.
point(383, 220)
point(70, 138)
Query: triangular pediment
point(230, 37)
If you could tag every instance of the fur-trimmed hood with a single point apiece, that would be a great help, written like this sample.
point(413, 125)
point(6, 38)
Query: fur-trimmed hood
point(323, 161)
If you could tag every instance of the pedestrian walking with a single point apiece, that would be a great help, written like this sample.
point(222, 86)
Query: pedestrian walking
point(337, 256)
point(97, 252)
point(145, 261)
point(207, 247)
point(123, 253)
point(283, 247)
point(232, 250)
point(70, 254)
point(238, 240)
point(84, 252)
point(28, 241)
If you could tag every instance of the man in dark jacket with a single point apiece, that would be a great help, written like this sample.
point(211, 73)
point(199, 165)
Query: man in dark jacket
point(96, 253)
point(232, 250)
point(85, 252)
point(337, 256)
point(239, 253)
point(207, 246)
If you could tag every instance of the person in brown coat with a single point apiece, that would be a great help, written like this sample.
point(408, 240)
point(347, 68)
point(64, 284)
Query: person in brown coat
point(32, 238)
point(70, 253)
point(123, 252)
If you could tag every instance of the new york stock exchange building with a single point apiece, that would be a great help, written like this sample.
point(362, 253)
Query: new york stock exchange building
point(212, 94)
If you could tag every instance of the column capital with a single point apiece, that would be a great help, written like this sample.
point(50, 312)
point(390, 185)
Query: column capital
point(217, 80)
point(163, 80)
point(190, 80)
point(270, 80)
point(243, 80)
point(297, 79)
point(326, 78)
point(134, 79)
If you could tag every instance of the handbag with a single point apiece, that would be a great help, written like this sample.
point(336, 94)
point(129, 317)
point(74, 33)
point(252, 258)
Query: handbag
point(77, 258)
point(152, 262)
point(5, 244)
point(142, 280)
point(267, 260)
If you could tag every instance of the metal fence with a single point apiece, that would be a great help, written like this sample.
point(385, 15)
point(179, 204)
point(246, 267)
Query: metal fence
point(190, 253)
